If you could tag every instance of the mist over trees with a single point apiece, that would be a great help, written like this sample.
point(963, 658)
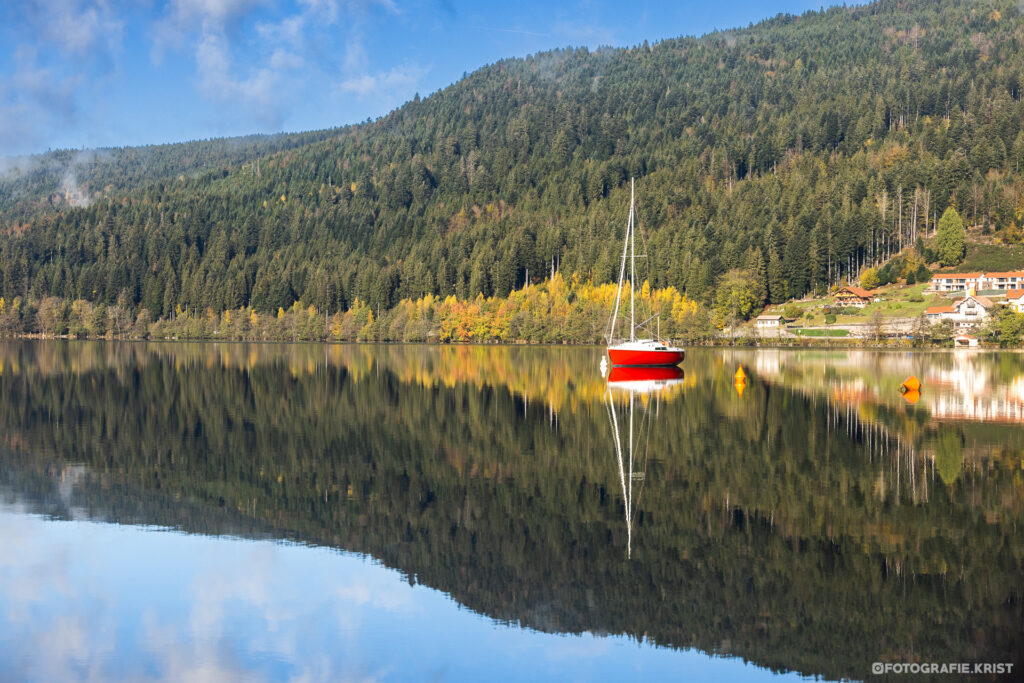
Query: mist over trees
point(796, 152)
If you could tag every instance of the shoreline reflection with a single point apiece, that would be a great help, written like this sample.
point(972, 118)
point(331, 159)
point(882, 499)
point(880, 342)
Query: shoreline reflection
point(814, 524)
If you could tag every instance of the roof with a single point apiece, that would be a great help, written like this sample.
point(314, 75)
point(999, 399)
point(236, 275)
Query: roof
point(857, 291)
point(983, 300)
point(769, 317)
point(1011, 273)
point(956, 276)
point(939, 309)
point(1014, 294)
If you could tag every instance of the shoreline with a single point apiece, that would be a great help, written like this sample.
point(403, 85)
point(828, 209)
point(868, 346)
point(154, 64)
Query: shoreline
point(805, 343)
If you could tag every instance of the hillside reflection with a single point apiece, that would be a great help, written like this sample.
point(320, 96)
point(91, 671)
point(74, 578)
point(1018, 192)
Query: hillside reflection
point(814, 522)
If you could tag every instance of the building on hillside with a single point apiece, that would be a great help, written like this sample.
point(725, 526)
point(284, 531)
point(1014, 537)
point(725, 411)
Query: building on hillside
point(965, 313)
point(769, 322)
point(971, 311)
point(936, 313)
point(1013, 279)
point(853, 296)
point(1015, 299)
point(956, 282)
point(964, 282)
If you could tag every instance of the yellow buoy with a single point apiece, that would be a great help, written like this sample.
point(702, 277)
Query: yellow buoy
point(910, 384)
point(741, 376)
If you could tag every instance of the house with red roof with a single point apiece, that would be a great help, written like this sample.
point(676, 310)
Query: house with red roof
point(965, 313)
point(936, 313)
point(956, 282)
point(853, 296)
point(1013, 279)
point(1015, 299)
point(964, 282)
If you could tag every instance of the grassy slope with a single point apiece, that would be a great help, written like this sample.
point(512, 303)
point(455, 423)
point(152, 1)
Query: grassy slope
point(898, 301)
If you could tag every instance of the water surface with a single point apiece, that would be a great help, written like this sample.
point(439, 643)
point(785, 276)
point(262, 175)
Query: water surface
point(261, 512)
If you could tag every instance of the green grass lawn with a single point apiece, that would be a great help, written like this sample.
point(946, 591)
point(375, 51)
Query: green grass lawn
point(823, 333)
point(898, 307)
point(897, 302)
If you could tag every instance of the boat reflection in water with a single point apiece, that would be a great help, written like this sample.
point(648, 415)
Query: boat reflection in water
point(631, 435)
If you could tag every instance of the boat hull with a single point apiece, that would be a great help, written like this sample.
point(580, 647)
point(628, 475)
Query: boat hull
point(634, 376)
point(646, 357)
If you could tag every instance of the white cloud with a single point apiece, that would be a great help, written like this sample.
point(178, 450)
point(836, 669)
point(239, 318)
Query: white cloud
point(37, 98)
point(260, 91)
point(577, 33)
point(211, 14)
point(395, 85)
point(287, 52)
point(64, 49)
point(85, 29)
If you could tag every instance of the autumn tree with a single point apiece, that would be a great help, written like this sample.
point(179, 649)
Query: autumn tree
point(734, 297)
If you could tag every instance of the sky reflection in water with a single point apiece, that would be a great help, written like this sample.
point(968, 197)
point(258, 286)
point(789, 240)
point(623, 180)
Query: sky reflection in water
point(82, 600)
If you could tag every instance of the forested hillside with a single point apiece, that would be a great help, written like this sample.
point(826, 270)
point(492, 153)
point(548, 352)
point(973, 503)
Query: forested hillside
point(798, 151)
point(73, 178)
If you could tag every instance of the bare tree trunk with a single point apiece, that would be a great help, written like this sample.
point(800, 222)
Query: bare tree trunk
point(899, 200)
point(926, 196)
point(913, 220)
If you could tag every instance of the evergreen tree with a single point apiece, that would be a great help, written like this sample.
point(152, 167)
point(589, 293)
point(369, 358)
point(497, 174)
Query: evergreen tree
point(951, 238)
point(777, 291)
point(759, 273)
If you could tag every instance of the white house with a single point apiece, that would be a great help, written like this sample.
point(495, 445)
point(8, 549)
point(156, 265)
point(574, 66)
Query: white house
point(769, 322)
point(965, 313)
point(937, 313)
point(956, 282)
point(963, 282)
point(971, 310)
point(1013, 279)
point(1015, 300)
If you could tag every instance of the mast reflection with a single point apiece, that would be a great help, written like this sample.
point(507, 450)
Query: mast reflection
point(638, 385)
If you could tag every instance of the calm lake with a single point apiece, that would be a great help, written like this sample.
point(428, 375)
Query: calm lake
point(305, 512)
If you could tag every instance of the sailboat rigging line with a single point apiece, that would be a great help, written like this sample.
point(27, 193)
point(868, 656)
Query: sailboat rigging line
point(622, 274)
point(644, 323)
point(618, 455)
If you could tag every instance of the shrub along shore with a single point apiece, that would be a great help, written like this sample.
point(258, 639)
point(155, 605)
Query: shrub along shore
point(557, 311)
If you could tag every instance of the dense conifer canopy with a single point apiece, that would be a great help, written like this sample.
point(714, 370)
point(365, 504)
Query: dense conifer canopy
point(799, 151)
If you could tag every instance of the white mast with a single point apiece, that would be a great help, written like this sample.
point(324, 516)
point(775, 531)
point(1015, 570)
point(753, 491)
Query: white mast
point(622, 272)
point(633, 258)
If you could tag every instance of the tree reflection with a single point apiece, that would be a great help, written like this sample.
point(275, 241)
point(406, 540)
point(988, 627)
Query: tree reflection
point(793, 527)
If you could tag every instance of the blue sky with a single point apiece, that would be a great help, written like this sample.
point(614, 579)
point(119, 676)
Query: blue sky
point(92, 73)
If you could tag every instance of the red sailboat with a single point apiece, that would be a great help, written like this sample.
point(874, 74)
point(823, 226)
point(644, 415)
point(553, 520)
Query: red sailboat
point(636, 351)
